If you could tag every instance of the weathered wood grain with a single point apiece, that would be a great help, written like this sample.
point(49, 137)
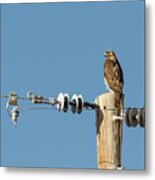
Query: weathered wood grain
point(108, 132)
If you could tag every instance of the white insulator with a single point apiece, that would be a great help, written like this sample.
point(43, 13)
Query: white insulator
point(80, 104)
point(118, 118)
point(133, 117)
point(75, 102)
point(14, 114)
point(66, 102)
point(60, 105)
point(13, 99)
point(141, 117)
point(127, 117)
point(30, 95)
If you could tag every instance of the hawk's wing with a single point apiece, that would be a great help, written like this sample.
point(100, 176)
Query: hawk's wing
point(113, 75)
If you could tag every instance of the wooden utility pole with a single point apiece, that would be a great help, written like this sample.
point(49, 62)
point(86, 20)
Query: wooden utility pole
point(109, 131)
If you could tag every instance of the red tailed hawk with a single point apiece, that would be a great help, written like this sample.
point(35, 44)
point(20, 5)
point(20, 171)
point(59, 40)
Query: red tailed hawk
point(113, 76)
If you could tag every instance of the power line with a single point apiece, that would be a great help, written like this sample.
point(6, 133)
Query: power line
point(37, 108)
point(87, 104)
point(75, 105)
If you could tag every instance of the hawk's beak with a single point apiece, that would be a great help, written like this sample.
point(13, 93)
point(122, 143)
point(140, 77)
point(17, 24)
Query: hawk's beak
point(105, 54)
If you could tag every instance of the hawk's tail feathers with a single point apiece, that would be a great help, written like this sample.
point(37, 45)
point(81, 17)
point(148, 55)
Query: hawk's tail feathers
point(117, 99)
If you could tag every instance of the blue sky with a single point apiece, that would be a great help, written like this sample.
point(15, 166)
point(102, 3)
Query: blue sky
point(58, 47)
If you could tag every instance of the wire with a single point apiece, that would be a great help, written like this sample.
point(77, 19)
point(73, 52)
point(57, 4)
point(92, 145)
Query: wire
point(24, 98)
point(3, 96)
point(18, 97)
point(115, 109)
point(37, 108)
point(53, 108)
point(50, 108)
point(42, 108)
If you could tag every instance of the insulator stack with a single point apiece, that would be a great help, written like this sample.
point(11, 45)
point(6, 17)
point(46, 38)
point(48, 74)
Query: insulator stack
point(134, 116)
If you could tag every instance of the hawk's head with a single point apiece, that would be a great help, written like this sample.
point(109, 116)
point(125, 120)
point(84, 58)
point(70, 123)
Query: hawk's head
point(110, 55)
